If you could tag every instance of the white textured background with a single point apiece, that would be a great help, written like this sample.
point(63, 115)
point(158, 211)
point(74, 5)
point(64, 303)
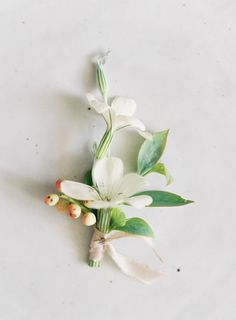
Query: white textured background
point(178, 60)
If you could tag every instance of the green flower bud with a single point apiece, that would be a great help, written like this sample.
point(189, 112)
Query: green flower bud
point(100, 75)
point(101, 80)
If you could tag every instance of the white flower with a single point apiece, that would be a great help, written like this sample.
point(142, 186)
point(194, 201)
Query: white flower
point(120, 114)
point(111, 186)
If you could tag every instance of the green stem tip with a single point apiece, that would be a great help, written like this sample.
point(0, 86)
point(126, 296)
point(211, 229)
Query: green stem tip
point(94, 263)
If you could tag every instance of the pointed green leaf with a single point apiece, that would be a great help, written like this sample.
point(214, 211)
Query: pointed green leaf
point(151, 151)
point(88, 178)
point(165, 199)
point(161, 168)
point(118, 218)
point(137, 226)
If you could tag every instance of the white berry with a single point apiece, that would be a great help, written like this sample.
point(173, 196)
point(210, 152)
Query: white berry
point(88, 219)
point(51, 199)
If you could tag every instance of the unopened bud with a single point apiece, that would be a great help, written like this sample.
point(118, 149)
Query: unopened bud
point(74, 210)
point(100, 75)
point(58, 185)
point(51, 199)
point(101, 80)
point(88, 219)
point(62, 205)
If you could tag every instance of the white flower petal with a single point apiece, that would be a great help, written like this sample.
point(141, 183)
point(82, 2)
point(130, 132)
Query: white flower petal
point(107, 117)
point(106, 174)
point(100, 107)
point(125, 121)
point(139, 201)
point(130, 184)
point(147, 135)
point(123, 106)
point(100, 204)
point(78, 190)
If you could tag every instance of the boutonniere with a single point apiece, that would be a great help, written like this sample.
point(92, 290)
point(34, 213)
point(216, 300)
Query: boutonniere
point(100, 200)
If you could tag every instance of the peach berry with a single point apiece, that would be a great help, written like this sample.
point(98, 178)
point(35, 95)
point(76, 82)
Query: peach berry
point(51, 199)
point(88, 219)
point(74, 210)
point(62, 205)
point(58, 185)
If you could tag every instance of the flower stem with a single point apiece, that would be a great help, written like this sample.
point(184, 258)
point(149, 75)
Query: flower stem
point(103, 220)
point(104, 144)
point(93, 263)
point(65, 197)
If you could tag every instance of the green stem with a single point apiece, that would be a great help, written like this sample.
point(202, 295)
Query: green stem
point(104, 144)
point(94, 263)
point(103, 220)
point(63, 196)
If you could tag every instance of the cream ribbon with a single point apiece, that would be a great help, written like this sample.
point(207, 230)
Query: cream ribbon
point(101, 243)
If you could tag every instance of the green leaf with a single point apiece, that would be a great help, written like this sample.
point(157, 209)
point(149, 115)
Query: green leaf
point(161, 168)
point(151, 151)
point(137, 226)
point(165, 199)
point(118, 218)
point(88, 178)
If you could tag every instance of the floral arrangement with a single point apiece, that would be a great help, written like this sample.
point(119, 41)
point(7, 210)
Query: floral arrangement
point(101, 199)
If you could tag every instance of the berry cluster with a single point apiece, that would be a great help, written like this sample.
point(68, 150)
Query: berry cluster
point(66, 204)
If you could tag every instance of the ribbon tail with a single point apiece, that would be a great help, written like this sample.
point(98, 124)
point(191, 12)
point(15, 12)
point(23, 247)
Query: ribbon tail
point(149, 242)
point(132, 268)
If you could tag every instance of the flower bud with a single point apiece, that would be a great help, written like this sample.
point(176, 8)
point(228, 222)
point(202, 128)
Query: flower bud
point(62, 205)
point(101, 80)
point(100, 75)
point(51, 199)
point(88, 219)
point(74, 210)
point(58, 185)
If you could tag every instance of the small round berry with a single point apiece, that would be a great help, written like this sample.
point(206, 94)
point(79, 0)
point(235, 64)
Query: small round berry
point(58, 185)
point(74, 210)
point(62, 205)
point(88, 219)
point(51, 199)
